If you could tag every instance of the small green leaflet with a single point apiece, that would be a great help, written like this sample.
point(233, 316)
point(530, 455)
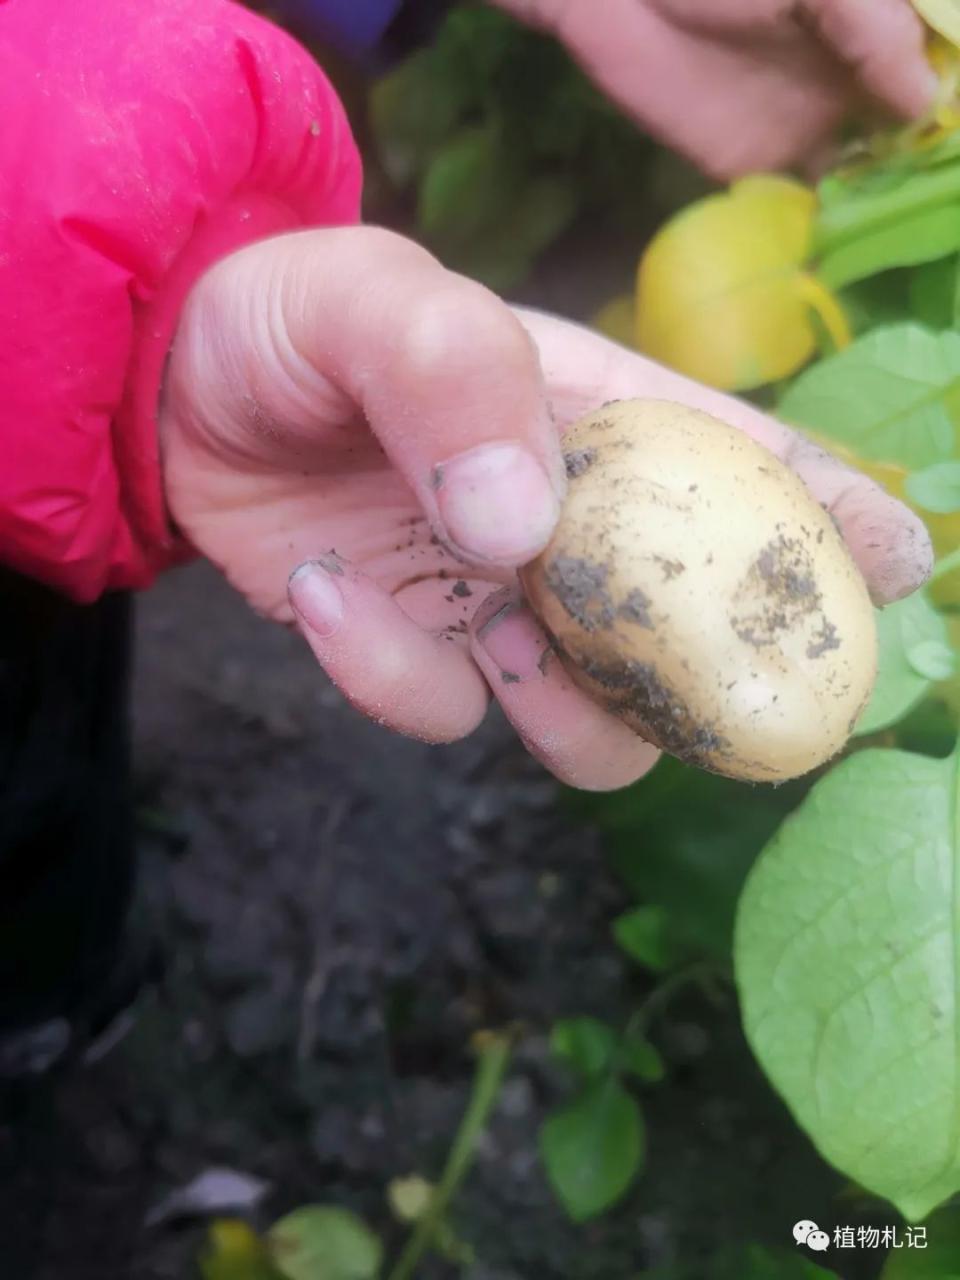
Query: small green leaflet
point(893, 396)
point(471, 180)
point(847, 950)
point(586, 1044)
point(638, 1056)
point(904, 629)
point(324, 1242)
point(932, 660)
point(593, 1148)
point(643, 933)
point(413, 110)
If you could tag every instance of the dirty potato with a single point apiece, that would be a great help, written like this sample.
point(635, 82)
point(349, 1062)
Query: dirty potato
point(696, 589)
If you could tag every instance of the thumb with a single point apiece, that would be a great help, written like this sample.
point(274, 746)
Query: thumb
point(293, 352)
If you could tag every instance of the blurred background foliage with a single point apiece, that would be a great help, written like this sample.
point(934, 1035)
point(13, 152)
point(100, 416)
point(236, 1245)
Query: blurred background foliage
point(497, 145)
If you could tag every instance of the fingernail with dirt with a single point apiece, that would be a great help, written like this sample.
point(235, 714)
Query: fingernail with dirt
point(514, 642)
point(315, 597)
point(496, 503)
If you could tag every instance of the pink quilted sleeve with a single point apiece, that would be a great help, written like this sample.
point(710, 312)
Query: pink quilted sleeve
point(140, 140)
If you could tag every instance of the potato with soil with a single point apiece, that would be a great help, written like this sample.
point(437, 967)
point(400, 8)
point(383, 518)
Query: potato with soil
point(695, 588)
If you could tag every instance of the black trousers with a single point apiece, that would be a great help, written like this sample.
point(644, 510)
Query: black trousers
point(66, 825)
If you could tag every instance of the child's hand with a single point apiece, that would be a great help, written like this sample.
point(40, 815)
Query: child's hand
point(337, 397)
point(743, 84)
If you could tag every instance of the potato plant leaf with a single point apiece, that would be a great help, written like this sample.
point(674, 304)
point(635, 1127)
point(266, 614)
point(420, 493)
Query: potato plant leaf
point(593, 1148)
point(639, 1057)
point(644, 934)
point(932, 659)
point(936, 488)
point(471, 182)
point(722, 293)
point(903, 628)
point(934, 294)
point(412, 110)
point(925, 236)
point(324, 1242)
point(586, 1044)
point(893, 396)
point(847, 950)
point(944, 530)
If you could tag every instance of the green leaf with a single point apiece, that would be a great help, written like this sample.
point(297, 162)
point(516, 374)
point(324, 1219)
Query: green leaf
point(896, 192)
point(934, 293)
point(593, 1149)
point(324, 1242)
point(587, 1044)
point(902, 628)
point(723, 292)
point(938, 1260)
point(502, 252)
point(932, 660)
point(927, 235)
point(643, 934)
point(639, 1056)
point(930, 729)
point(935, 488)
point(847, 953)
point(479, 43)
point(413, 110)
point(893, 396)
point(543, 209)
point(470, 184)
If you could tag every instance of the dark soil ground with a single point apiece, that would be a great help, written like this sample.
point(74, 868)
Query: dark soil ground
point(342, 910)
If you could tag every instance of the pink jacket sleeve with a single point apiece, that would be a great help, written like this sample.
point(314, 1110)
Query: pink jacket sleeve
point(140, 140)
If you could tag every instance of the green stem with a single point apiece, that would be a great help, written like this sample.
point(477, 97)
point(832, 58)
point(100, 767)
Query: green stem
point(662, 994)
point(858, 215)
point(494, 1059)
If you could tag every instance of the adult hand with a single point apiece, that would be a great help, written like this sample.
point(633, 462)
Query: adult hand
point(336, 400)
point(740, 85)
